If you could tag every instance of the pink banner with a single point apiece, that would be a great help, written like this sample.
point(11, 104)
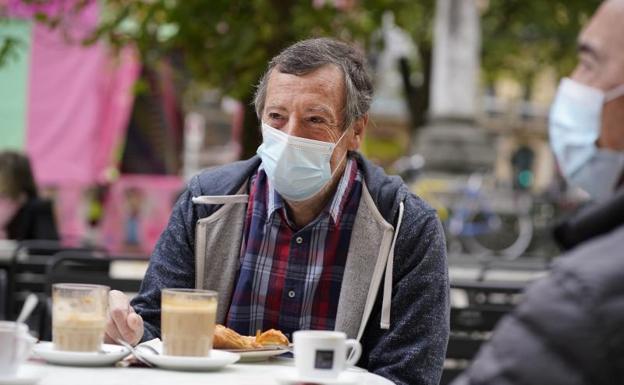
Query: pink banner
point(136, 212)
point(79, 102)
point(115, 108)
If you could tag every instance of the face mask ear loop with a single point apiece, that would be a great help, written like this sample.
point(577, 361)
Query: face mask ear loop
point(347, 152)
point(615, 93)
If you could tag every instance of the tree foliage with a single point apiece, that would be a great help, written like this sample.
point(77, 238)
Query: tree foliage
point(227, 43)
point(521, 37)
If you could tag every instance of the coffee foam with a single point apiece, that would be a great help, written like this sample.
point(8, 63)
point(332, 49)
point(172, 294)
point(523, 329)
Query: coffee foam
point(185, 305)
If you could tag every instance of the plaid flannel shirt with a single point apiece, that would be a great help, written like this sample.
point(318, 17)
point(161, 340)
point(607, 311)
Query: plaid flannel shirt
point(289, 278)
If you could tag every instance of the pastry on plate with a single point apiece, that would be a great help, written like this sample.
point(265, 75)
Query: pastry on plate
point(226, 338)
point(272, 337)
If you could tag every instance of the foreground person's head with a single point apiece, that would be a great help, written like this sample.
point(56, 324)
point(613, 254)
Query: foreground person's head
point(587, 118)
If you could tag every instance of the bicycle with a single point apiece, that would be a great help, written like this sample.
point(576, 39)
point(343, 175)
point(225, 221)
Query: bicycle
point(474, 223)
point(495, 225)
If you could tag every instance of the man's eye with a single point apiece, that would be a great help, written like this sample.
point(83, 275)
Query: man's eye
point(316, 120)
point(274, 116)
point(586, 63)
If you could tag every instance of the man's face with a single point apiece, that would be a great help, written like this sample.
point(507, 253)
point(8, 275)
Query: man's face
point(311, 106)
point(601, 65)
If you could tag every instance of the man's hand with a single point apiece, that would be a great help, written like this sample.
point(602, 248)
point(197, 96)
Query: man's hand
point(123, 323)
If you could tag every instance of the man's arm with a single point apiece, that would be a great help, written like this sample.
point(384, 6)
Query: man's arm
point(172, 263)
point(412, 351)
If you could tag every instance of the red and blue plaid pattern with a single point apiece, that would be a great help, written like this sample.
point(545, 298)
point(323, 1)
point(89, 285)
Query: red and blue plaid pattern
point(289, 279)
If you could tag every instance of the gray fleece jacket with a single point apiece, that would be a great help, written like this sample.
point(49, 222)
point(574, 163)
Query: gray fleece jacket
point(395, 291)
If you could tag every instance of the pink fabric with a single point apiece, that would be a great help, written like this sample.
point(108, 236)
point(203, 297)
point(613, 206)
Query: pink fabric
point(116, 107)
point(136, 212)
point(79, 103)
point(22, 9)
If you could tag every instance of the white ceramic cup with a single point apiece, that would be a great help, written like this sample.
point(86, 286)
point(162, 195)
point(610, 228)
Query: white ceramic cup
point(324, 354)
point(16, 344)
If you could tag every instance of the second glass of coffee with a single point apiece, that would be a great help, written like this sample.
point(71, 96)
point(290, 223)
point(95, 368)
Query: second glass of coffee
point(188, 321)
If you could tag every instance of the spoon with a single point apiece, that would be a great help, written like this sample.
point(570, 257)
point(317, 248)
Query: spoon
point(27, 308)
point(133, 350)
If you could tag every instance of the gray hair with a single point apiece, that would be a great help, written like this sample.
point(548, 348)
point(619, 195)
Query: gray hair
point(308, 55)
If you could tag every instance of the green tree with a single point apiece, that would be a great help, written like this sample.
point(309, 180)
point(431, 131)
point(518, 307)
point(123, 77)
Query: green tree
point(521, 38)
point(227, 43)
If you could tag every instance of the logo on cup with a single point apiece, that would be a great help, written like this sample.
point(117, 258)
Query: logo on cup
point(324, 359)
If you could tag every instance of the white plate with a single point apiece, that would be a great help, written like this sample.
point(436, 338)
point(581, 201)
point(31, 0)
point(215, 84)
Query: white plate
point(216, 360)
point(107, 356)
point(293, 378)
point(257, 355)
point(24, 376)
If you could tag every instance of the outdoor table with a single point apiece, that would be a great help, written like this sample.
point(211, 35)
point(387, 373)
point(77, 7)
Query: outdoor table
point(262, 373)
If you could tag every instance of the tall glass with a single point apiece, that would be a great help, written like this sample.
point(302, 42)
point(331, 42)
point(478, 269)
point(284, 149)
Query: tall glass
point(79, 314)
point(188, 321)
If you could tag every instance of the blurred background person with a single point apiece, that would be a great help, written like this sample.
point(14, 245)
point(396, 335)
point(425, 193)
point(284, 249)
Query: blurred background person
point(569, 329)
point(23, 214)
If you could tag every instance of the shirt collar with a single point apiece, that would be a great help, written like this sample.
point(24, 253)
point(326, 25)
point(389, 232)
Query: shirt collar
point(334, 208)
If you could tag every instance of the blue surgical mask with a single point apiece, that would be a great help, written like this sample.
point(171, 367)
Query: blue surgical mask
point(574, 128)
point(298, 168)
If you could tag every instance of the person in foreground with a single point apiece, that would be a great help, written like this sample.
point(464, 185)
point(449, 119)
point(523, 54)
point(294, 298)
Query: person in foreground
point(308, 234)
point(569, 329)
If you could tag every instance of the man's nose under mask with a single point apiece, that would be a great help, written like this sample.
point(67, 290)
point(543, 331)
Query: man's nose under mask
point(298, 168)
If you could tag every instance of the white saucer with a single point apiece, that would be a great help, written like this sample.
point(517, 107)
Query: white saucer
point(107, 356)
point(24, 376)
point(293, 378)
point(216, 360)
point(257, 355)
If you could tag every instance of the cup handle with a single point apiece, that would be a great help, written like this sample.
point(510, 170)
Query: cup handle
point(354, 354)
point(26, 346)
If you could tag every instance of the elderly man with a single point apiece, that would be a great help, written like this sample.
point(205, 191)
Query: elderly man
point(308, 234)
point(570, 327)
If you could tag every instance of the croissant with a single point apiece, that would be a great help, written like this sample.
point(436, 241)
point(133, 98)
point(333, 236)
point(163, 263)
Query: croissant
point(226, 338)
point(272, 337)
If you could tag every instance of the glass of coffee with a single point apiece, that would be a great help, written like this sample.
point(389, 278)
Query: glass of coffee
point(188, 321)
point(79, 316)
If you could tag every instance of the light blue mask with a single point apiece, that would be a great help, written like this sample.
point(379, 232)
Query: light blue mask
point(298, 168)
point(574, 128)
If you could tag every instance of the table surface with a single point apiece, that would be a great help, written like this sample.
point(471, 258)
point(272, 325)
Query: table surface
point(263, 373)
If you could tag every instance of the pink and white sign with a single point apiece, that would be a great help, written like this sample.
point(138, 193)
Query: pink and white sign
point(137, 211)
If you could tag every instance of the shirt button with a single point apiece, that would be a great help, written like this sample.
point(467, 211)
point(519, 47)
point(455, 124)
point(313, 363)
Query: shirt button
point(291, 294)
point(299, 240)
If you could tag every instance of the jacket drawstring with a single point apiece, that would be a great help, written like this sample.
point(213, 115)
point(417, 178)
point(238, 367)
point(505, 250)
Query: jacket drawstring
point(386, 303)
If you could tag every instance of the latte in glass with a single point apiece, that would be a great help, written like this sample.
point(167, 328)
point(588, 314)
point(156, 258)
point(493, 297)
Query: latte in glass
point(188, 321)
point(79, 316)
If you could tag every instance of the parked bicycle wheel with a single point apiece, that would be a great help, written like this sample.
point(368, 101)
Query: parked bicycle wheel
point(508, 240)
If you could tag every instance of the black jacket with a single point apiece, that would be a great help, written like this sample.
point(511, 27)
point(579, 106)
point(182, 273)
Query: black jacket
point(34, 220)
point(569, 329)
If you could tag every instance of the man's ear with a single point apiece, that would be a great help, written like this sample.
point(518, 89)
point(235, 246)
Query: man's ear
point(359, 128)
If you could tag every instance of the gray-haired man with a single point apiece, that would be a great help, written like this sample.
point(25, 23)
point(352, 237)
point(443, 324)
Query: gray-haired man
point(308, 234)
